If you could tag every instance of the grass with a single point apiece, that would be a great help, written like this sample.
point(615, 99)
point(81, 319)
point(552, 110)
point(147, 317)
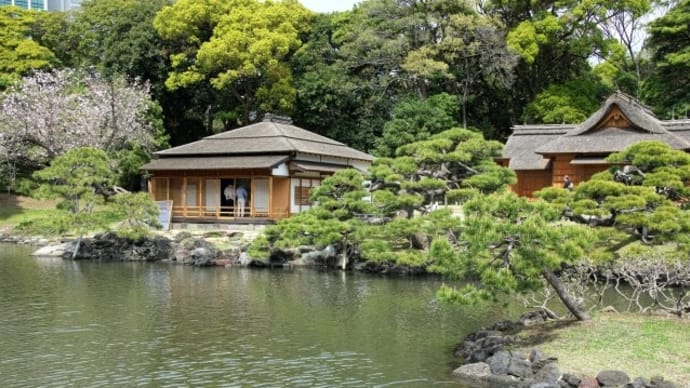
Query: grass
point(640, 345)
point(16, 209)
point(40, 217)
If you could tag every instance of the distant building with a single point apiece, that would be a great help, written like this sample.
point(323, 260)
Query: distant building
point(543, 155)
point(63, 5)
point(27, 4)
point(44, 5)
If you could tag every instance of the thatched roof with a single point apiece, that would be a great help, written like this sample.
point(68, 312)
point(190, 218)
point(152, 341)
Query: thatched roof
point(261, 145)
point(641, 116)
point(267, 137)
point(525, 139)
point(528, 143)
point(608, 140)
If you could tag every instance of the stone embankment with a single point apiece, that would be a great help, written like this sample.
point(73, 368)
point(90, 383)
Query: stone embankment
point(202, 249)
point(488, 363)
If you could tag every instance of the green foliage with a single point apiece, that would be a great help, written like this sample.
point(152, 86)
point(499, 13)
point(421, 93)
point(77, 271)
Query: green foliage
point(79, 178)
point(571, 102)
point(117, 37)
point(140, 213)
point(506, 243)
point(238, 46)
point(74, 177)
point(669, 45)
point(415, 119)
point(340, 203)
point(19, 52)
point(405, 241)
point(636, 199)
point(457, 161)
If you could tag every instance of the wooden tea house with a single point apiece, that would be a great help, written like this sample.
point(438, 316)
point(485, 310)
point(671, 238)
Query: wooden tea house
point(261, 171)
point(543, 155)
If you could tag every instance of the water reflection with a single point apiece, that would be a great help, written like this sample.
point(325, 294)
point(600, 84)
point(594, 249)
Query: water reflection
point(104, 324)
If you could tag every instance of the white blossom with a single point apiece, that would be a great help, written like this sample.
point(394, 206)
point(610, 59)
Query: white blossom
point(50, 113)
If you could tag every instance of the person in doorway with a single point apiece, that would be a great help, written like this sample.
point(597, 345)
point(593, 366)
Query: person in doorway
point(241, 199)
point(567, 183)
point(229, 196)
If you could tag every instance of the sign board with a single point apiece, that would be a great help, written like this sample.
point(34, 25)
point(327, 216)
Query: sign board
point(165, 215)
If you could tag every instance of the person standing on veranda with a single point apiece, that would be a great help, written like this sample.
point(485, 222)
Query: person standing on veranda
point(241, 200)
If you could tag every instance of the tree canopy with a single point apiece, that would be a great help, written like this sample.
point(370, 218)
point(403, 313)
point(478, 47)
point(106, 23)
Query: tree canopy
point(20, 52)
point(240, 47)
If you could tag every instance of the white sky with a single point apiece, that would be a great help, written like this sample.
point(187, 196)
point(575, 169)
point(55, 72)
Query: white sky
point(329, 5)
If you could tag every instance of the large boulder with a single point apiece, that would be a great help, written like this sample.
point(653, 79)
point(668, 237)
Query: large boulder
point(612, 378)
point(499, 362)
point(110, 247)
point(476, 372)
point(196, 251)
point(58, 250)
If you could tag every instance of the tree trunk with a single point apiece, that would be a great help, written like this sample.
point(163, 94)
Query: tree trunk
point(566, 298)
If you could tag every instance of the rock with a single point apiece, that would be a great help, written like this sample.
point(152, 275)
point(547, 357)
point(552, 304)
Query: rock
point(203, 257)
point(183, 236)
point(109, 247)
point(544, 385)
point(588, 382)
point(520, 367)
point(656, 380)
point(548, 373)
point(612, 378)
point(234, 236)
point(535, 355)
point(475, 372)
point(638, 382)
point(506, 381)
point(534, 317)
point(479, 346)
point(58, 250)
point(571, 379)
point(506, 326)
point(244, 259)
point(499, 362)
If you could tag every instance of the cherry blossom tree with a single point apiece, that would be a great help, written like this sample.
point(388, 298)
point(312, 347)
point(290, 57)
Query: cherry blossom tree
point(50, 113)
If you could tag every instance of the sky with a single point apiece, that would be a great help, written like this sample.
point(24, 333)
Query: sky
point(329, 5)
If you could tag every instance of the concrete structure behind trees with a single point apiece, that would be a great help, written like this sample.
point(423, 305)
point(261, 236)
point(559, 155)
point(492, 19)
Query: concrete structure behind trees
point(44, 5)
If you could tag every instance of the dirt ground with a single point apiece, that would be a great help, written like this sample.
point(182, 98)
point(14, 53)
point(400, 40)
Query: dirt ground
point(20, 202)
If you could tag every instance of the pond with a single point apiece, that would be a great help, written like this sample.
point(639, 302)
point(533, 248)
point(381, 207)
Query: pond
point(123, 324)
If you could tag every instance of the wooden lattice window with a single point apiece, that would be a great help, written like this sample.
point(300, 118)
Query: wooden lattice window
point(302, 195)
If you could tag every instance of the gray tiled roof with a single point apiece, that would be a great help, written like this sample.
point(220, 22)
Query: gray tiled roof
point(214, 162)
point(267, 137)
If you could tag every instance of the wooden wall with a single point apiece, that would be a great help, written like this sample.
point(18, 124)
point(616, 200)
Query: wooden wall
point(530, 181)
point(280, 199)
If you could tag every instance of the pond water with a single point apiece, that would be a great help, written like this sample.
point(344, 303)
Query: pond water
point(65, 323)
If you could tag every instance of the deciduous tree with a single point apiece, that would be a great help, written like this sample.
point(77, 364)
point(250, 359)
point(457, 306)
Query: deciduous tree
point(239, 46)
point(51, 113)
point(19, 52)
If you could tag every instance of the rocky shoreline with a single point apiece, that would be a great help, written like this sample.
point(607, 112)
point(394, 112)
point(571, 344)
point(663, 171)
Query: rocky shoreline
point(487, 363)
point(202, 249)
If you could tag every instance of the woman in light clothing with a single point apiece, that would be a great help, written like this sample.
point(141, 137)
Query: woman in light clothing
point(241, 199)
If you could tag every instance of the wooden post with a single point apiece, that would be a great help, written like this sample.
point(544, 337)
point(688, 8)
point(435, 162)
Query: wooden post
point(251, 196)
point(270, 197)
point(184, 196)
